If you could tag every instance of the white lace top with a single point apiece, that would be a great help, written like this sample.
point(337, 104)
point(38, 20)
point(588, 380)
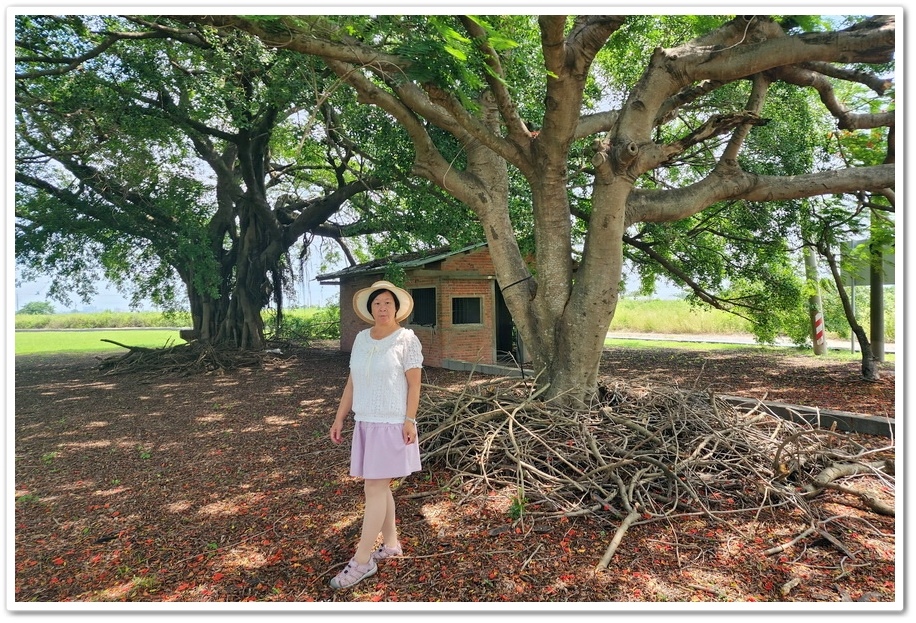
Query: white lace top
point(377, 368)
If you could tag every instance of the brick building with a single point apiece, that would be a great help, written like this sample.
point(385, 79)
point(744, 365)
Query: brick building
point(459, 313)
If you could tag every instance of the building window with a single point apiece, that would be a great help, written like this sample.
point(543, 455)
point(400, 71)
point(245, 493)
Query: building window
point(424, 307)
point(466, 310)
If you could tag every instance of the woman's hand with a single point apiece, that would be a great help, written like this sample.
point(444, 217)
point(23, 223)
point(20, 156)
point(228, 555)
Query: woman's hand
point(336, 431)
point(409, 431)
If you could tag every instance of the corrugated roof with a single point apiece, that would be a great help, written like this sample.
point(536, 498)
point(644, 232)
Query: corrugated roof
point(407, 260)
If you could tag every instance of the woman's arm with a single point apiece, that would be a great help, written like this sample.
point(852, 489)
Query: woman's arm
point(343, 410)
point(414, 378)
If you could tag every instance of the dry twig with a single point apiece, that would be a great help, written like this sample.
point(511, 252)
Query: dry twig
point(662, 450)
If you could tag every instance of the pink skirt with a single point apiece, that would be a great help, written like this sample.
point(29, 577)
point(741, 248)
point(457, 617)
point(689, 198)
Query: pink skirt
point(379, 451)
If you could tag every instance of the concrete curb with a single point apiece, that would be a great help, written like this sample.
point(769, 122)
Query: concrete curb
point(819, 418)
point(484, 368)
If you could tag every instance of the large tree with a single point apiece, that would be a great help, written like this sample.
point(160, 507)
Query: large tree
point(534, 95)
point(144, 152)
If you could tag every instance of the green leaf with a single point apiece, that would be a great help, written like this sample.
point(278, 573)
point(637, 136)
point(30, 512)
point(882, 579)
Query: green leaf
point(459, 54)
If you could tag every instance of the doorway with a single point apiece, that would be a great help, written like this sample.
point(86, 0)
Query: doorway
point(509, 350)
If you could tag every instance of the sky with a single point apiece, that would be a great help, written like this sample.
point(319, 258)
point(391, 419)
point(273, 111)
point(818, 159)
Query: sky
point(109, 299)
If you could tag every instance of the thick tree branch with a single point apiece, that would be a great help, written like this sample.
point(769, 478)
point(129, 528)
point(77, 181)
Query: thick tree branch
point(846, 120)
point(763, 46)
point(320, 210)
point(517, 131)
point(878, 84)
point(307, 34)
point(671, 205)
point(428, 161)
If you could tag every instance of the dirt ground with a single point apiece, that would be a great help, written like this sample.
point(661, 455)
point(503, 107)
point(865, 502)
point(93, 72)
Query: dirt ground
point(224, 487)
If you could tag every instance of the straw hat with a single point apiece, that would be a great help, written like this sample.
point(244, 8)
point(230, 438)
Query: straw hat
point(404, 302)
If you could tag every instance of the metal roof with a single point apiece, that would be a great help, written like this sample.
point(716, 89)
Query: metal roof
point(407, 260)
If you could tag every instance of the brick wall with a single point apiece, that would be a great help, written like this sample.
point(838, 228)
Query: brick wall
point(350, 323)
point(468, 274)
point(467, 342)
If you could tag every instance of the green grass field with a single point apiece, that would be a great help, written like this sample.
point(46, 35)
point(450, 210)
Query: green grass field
point(42, 342)
point(81, 341)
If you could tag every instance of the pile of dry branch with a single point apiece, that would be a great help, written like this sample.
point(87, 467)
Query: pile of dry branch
point(184, 359)
point(644, 453)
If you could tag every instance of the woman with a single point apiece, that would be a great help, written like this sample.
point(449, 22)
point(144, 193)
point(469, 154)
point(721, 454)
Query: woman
point(383, 392)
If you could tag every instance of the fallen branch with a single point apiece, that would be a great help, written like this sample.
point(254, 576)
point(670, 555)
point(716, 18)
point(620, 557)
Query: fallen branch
point(870, 501)
point(182, 359)
point(615, 542)
point(825, 481)
point(141, 349)
point(708, 589)
point(842, 470)
point(781, 548)
point(786, 588)
point(536, 550)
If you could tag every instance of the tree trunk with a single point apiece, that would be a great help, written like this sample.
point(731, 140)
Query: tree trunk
point(869, 363)
point(562, 314)
point(233, 318)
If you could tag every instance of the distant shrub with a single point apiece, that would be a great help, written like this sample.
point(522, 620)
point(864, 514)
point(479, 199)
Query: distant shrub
point(36, 308)
point(103, 320)
point(326, 323)
point(309, 325)
point(33, 321)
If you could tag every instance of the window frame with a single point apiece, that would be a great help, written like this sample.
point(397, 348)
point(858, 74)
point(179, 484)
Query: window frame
point(479, 311)
point(418, 304)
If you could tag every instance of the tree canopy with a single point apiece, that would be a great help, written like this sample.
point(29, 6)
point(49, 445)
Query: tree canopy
point(160, 157)
point(685, 135)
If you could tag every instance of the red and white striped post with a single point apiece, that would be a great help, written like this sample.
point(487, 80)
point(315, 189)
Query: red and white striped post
point(820, 340)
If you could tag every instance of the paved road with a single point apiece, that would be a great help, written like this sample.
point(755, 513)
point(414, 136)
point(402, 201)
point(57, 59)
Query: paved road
point(730, 339)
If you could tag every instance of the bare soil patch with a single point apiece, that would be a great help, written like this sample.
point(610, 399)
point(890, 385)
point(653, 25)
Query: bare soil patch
point(223, 486)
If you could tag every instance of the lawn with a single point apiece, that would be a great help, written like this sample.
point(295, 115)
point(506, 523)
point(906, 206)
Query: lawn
point(91, 341)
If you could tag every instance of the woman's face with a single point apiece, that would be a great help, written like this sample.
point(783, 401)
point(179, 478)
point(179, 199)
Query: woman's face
point(383, 309)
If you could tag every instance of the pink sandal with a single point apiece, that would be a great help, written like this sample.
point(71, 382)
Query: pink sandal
point(353, 573)
point(384, 552)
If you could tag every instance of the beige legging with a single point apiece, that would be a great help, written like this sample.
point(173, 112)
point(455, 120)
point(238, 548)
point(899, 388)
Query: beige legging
point(377, 518)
